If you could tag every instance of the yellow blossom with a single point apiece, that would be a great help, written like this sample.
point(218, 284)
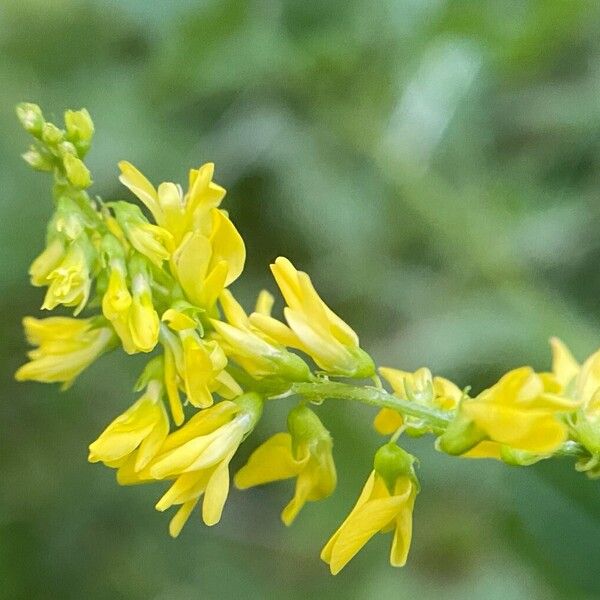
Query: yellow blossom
point(66, 347)
point(177, 213)
point(304, 453)
point(384, 504)
point(46, 262)
point(141, 429)
point(259, 355)
point(197, 457)
point(154, 242)
point(207, 262)
point(69, 281)
point(116, 301)
point(143, 319)
point(582, 382)
point(198, 367)
point(420, 387)
point(313, 327)
point(522, 411)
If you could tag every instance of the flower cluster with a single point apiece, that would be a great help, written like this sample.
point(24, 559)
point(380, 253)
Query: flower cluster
point(153, 276)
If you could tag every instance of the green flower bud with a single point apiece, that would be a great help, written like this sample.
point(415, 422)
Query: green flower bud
point(38, 159)
point(31, 118)
point(77, 173)
point(51, 134)
point(80, 129)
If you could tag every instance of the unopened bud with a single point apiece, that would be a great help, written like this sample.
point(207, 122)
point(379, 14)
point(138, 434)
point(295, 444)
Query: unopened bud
point(38, 160)
point(51, 134)
point(31, 118)
point(77, 173)
point(80, 129)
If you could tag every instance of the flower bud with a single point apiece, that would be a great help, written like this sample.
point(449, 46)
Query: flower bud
point(31, 118)
point(80, 129)
point(77, 173)
point(38, 159)
point(51, 134)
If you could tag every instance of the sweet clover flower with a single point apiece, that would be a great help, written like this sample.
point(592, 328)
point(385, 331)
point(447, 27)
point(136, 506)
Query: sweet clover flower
point(155, 280)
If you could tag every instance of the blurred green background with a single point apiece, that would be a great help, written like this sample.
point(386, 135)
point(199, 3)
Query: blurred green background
point(434, 164)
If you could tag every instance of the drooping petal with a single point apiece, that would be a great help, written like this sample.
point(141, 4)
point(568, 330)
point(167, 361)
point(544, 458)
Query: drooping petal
point(271, 461)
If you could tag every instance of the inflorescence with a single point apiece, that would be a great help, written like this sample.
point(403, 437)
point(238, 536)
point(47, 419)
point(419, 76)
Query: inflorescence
point(155, 279)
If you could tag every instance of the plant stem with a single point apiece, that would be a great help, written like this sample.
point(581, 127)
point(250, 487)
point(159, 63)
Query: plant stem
point(374, 397)
point(438, 420)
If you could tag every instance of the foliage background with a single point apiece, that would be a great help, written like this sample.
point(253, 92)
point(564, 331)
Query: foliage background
point(433, 164)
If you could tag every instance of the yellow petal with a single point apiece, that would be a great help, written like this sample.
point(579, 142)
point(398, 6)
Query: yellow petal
point(264, 303)
point(447, 394)
point(233, 311)
point(134, 180)
point(181, 517)
point(216, 493)
point(369, 519)
point(403, 530)
point(387, 421)
point(227, 245)
point(271, 461)
point(365, 494)
point(564, 366)
point(191, 262)
point(172, 387)
point(485, 449)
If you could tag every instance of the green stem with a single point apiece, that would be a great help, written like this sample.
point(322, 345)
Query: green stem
point(438, 420)
point(374, 397)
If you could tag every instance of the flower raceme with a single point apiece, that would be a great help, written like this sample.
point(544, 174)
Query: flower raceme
point(154, 280)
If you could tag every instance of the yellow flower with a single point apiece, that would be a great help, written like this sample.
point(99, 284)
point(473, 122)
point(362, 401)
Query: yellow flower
point(313, 327)
point(116, 301)
point(197, 457)
point(141, 429)
point(143, 320)
point(69, 281)
point(255, 352)
point(208, 261)
point(385, 504)
point(153, 242)
point(178, 214)
point(418, 387)
point(583, 384)
point(304, 453)
point(210, 253)
point(65, 348)
point(198, 367)
point(46, 262)
point(522, 411)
